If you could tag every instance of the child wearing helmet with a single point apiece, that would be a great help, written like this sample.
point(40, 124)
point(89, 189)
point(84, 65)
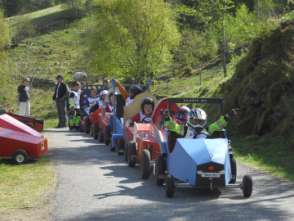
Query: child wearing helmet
point(144, 116)
point(133, 92)
point(103, 99)
point(196, 124)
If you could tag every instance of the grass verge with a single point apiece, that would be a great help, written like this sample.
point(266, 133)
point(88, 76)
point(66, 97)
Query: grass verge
point(273, 155)
point(25, 186)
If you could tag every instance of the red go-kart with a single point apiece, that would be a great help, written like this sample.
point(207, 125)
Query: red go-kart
point(141, 142)
point(20, 142)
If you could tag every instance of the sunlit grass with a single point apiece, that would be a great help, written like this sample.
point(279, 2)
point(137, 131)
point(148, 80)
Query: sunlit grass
point(24, 186)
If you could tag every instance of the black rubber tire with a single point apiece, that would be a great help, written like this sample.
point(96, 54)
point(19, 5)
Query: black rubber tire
point(233, 170)
point(132, 153)
point(247, 186)
point(91, 130)
point(170, 186)
point(96, 132)
point(145, 164)
point(20, 157)
point(126, 152)
point(160, 170)
point(120, 147)
point(101, 136)
point(107, 136)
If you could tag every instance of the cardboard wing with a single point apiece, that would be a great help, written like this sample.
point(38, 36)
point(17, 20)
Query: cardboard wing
point(135, 107)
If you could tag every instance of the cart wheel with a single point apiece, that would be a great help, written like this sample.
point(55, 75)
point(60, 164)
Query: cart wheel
point(132, 155)
point(107, 136)
point(112, 145)
point(101, 136)
point(20, 157)
point(120, 147)
point(170, 186)
point(159, 170)
point(233, 170)
point(246, 186)
point(126, 153)
point(145, 164)
point(96, 131)
point(92, 130)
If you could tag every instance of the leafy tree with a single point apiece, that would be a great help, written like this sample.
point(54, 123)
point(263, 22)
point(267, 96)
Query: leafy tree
point(133, 38)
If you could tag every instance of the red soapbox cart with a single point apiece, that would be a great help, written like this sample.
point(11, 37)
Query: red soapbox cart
point(36, 124)
point(19, 142)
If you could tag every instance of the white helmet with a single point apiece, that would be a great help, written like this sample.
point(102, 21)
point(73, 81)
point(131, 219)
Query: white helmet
point(104, 93)
point(197, 118)
point(80, 76)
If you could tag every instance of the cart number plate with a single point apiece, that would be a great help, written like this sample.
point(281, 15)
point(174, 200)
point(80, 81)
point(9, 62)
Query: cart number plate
point(210, 175)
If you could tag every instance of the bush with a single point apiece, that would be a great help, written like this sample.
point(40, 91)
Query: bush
point(195, 48)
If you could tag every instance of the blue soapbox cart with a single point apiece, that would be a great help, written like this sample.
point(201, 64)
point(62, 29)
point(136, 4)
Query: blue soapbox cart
point(201, 163)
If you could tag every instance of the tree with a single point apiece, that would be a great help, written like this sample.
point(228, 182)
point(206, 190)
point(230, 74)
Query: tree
point(133, 38)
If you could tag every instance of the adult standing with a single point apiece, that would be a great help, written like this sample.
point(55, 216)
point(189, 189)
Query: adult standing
point(60, 97)
point(24, 97)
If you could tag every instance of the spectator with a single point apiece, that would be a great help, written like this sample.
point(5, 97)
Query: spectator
point(24, 98)
point(60, 97)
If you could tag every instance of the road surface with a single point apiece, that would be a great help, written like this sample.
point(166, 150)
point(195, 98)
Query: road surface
point(95, 184)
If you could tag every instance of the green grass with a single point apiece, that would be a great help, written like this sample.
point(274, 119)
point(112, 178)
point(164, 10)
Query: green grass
point(44, 57)
point(26, 185)
point(273, 155)
point(51, 123)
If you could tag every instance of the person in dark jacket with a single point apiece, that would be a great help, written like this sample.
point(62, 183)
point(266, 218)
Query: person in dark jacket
point(24, 98)
point(60, 97)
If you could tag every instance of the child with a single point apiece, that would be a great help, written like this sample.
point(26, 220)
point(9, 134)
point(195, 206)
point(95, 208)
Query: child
point(109, 105)
point(196, 124)
point(93, 101)
point(144, 116)
point(74, 106)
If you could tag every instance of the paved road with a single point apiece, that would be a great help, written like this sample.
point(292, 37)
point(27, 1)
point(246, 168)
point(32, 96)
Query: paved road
point(95, 184)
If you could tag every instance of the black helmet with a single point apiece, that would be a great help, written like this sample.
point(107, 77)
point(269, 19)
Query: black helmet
point(135, 90)
point(147, 100)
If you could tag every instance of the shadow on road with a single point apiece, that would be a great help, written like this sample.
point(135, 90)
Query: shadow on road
point(175, 210)
point(269, 196)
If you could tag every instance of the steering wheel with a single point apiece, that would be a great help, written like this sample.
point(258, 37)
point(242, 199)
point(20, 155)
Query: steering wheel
point(147, 120)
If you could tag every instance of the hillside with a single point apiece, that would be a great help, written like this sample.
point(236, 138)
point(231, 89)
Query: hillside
point(42, 57)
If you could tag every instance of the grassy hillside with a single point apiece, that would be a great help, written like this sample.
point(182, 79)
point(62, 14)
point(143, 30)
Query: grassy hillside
point(45, 56)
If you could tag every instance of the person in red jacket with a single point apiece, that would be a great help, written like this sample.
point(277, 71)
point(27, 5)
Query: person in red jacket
point(144, 116)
